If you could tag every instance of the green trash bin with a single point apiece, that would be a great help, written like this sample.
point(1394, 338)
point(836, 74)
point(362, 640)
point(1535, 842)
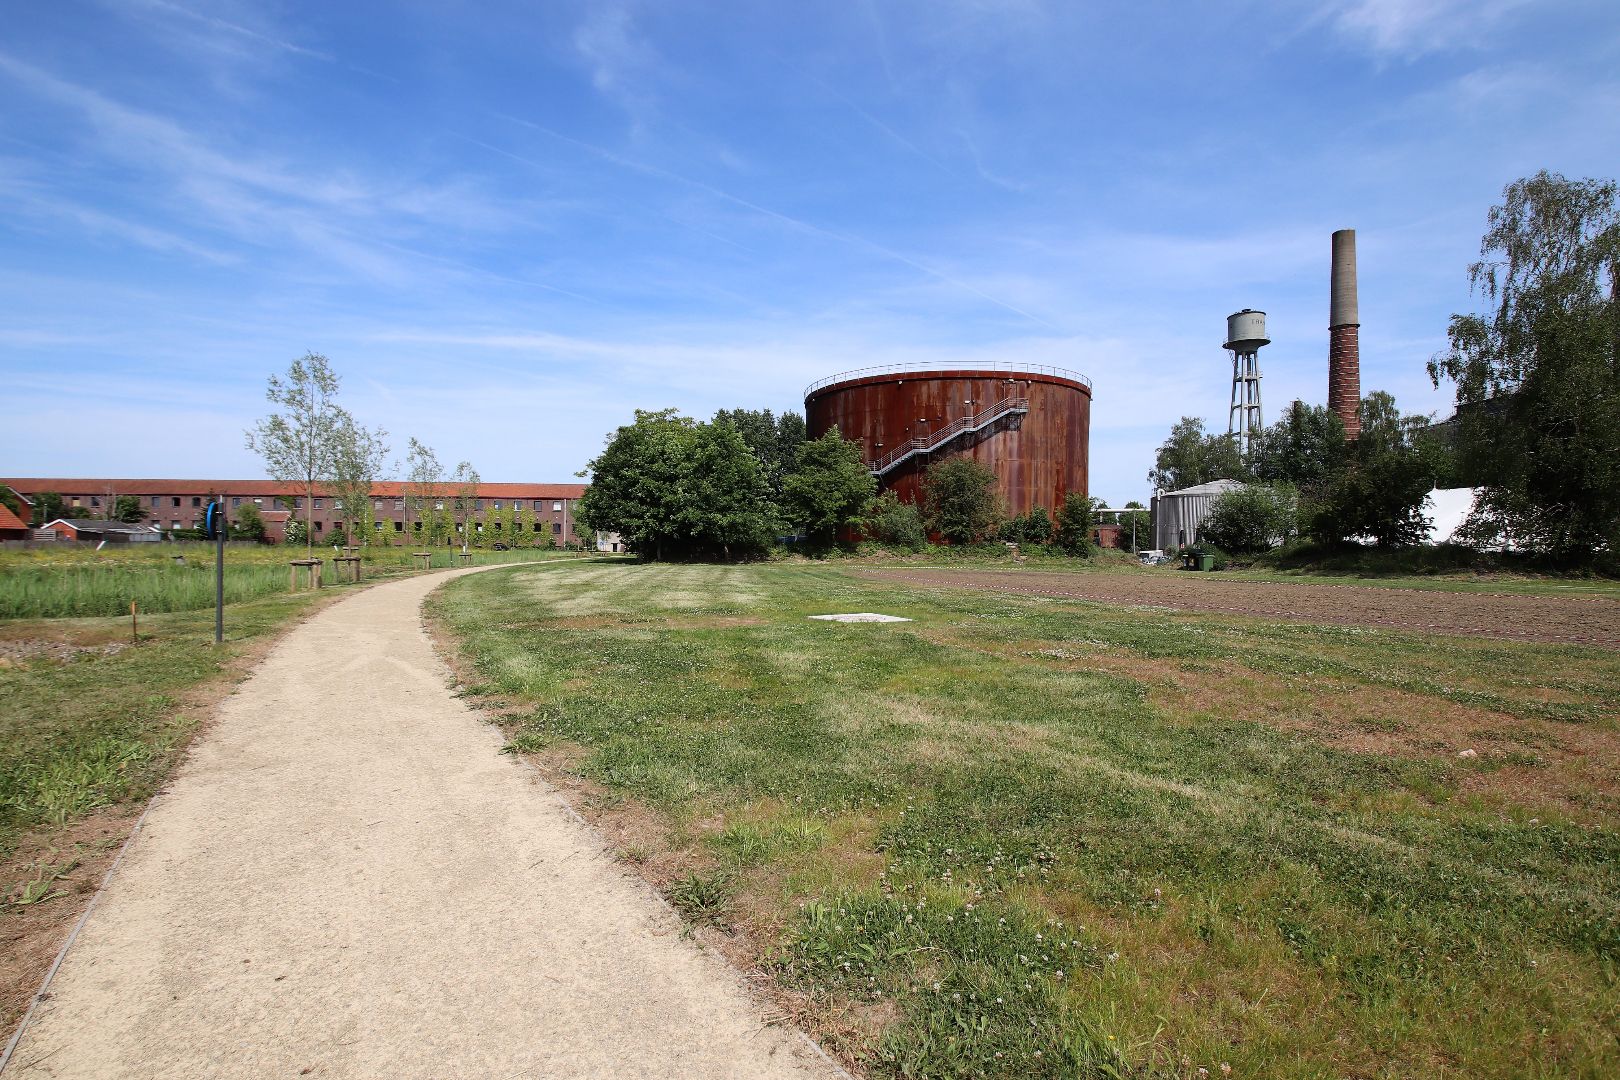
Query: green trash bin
point(1206, 562)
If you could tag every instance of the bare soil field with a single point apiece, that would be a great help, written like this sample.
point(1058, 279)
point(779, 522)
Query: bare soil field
point(1574, 620)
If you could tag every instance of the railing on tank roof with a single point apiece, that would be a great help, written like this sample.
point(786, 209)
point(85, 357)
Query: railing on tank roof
point(937, 365)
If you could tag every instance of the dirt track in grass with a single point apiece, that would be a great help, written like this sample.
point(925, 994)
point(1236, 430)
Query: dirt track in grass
point(1571, 620)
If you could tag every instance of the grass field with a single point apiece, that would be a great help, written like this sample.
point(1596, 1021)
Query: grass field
point(1027, 837)
point(68, 582)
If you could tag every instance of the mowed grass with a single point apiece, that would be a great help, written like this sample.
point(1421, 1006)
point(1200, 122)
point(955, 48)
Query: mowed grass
point(46, 583)
point(1028, 837)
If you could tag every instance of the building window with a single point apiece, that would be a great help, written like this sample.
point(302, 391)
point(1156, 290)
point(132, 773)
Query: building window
point(377, 525)
point(556, 506)
point(556, 528)
point(176, 500)
point(174, 524)
point(157, 501)
point(539, 504)
point(438, 506)
point(319, 525)
point(416, 526)
point(478, 504)
point(478, 526)
point(399, 526)
point(497, 504)
point(196, 500)
point(95, 500)
point(236, 502)
point(317, 504)
point(258, 502)
point(399, 504)
point(537, 526)
point(337, 504)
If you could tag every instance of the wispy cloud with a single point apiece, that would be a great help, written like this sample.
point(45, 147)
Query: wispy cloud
point(1410, 28)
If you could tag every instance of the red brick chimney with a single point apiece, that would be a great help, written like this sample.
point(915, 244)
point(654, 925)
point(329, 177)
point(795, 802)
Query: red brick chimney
point(1344, 332)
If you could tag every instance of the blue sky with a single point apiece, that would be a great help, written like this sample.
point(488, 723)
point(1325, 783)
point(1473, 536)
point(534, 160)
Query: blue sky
point(509, 225)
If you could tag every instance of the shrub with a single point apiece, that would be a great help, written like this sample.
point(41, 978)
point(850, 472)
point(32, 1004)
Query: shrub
point(1256, 517)
point(896, 524)
point(1074, 525)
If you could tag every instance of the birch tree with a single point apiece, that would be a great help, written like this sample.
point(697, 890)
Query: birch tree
point(298, 441)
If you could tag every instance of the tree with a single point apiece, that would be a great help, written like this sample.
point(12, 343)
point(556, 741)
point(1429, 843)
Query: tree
point(298, 441)
point(1255, 517)
point(518, 520)
point(128, 509)
point(774, 440)
point(424, 484)
point(359, 457)
point(727, 508)
point(830, 487)
point(894, 523)
point(674, 488)
point(13, 502)
point(961, 496)
point(1380, 492)
point(1306, 447)
point(48, 506)
point(1074, 523)
point(464, 485)
point(1189, 457)
point(1538, 376)
point(1138, 524)
point(249, 524)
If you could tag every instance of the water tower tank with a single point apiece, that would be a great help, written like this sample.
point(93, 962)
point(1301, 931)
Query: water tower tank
point(1246, 331)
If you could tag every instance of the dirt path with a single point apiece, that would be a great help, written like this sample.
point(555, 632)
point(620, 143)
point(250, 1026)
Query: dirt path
point(1583, 620)
point(346, 879)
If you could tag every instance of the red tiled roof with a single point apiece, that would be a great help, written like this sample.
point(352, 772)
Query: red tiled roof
point(382, 489)
point(8, 520)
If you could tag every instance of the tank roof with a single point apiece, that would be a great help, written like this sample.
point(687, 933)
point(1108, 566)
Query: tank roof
point(998, 366)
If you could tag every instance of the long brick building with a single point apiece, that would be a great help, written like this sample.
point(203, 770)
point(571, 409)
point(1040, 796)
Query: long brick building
point(540, 510)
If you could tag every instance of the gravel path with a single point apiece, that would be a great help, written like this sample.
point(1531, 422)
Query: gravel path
point(346, 879)
point(1580, 620)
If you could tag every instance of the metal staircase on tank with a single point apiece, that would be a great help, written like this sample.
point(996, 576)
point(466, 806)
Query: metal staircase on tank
point(952, 431)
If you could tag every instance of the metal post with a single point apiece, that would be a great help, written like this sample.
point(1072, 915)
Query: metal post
point(219, 576)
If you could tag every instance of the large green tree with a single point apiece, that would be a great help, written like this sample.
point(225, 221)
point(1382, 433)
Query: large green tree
point(675, 488)
point(1306, 448)
point(1538, 374)
point(830, 487)
point(1380, 491)
point(961, 496)
point(774, 440)
point(1191, 456)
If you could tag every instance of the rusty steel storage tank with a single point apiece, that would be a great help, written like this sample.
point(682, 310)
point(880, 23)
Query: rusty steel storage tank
point(1030, 424)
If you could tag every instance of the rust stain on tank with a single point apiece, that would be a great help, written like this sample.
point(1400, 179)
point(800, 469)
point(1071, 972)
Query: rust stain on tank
point(1038, 456)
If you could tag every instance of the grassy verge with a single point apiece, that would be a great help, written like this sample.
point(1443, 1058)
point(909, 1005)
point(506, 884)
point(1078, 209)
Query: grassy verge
point(1023, 837)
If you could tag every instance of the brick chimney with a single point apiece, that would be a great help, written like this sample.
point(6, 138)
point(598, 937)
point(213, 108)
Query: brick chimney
point(1344, 333)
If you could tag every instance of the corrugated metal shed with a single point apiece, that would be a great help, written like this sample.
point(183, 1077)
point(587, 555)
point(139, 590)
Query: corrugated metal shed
point(1178, 514)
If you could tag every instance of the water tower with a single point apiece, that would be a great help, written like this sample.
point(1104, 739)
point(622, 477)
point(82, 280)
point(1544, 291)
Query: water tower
point(1245, 333)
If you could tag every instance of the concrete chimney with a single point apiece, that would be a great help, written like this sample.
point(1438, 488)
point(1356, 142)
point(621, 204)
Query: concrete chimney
point(1344, 335)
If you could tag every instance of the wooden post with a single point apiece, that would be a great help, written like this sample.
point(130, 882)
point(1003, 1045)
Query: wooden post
point(134, 625)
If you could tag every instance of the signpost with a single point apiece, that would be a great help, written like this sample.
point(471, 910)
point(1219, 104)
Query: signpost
point(216, 527)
